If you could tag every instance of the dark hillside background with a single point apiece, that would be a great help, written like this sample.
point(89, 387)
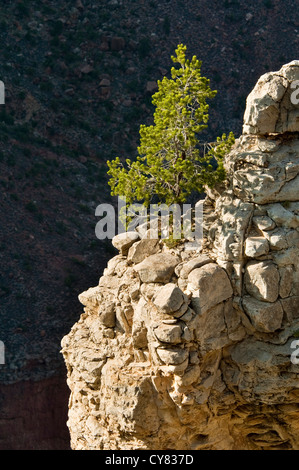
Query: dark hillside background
point(79, 76)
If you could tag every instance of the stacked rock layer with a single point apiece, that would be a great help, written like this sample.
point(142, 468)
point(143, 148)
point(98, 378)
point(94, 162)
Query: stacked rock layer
point(191, 350)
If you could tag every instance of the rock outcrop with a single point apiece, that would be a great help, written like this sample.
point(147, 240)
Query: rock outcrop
point(180, 349)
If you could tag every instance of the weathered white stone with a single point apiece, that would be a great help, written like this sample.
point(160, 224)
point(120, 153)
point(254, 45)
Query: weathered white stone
point(139, 335)
point(107, 315)
point(176, 370)
point(277, 239)
point(270, 185)
point(112, 264)
point(173, 356)
point(234, 218)
point(292, 238)
point(287, 257)
point(266, 359)
point(93, 426)
point(291, 70)
point(220, 375)
point(259, 186)
point(268, 145)
point(211, 329)
point(169, 298)
point(169, 333)
point(209, 286)
point(265, 317)
point(290, 306)
point(288, 191)
point(91, 297)
point(187, 316)
point(123, 241)
point(148, 290)
point(256, 246)
point(182, 310)
point(263, 115)
point(190, 376)
point(262, 280)
point(134, 291)
point(286, 281)
point(262, 109)
point(193, 264)
point(263, 222)
point(142, 249)
point(110, 283)
point(282, 216)
point(157, 268)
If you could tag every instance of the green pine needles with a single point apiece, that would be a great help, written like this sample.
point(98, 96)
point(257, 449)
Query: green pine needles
point(171, 162)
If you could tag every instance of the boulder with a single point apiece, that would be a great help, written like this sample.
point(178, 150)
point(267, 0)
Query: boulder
point(277, 239)
point(169, 298)
point(107, 315)
point(209, 285)
point(211, 328)
point(123, 241)
point(173, 356)
point(157, 268)
point(264, 110)
point(169, 333)
point(262, 280)
point(290, 306)
point(282, 216)
point(286, 281)
point(142, 249)
point(265, 317)
point(263, 222)
point(256, 246)
point(193, 264)
point(91, 297)
point(181, 311)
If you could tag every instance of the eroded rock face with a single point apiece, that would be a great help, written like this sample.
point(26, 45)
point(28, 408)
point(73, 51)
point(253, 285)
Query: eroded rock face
point(269, 106)
point(180, 349)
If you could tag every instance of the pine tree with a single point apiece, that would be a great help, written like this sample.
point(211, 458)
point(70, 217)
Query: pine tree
point(171, 162)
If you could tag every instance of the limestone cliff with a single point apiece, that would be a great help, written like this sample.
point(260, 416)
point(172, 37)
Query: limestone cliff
point(180, 349)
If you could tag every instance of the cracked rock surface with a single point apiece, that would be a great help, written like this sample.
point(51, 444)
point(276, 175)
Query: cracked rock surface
point(181, 349)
